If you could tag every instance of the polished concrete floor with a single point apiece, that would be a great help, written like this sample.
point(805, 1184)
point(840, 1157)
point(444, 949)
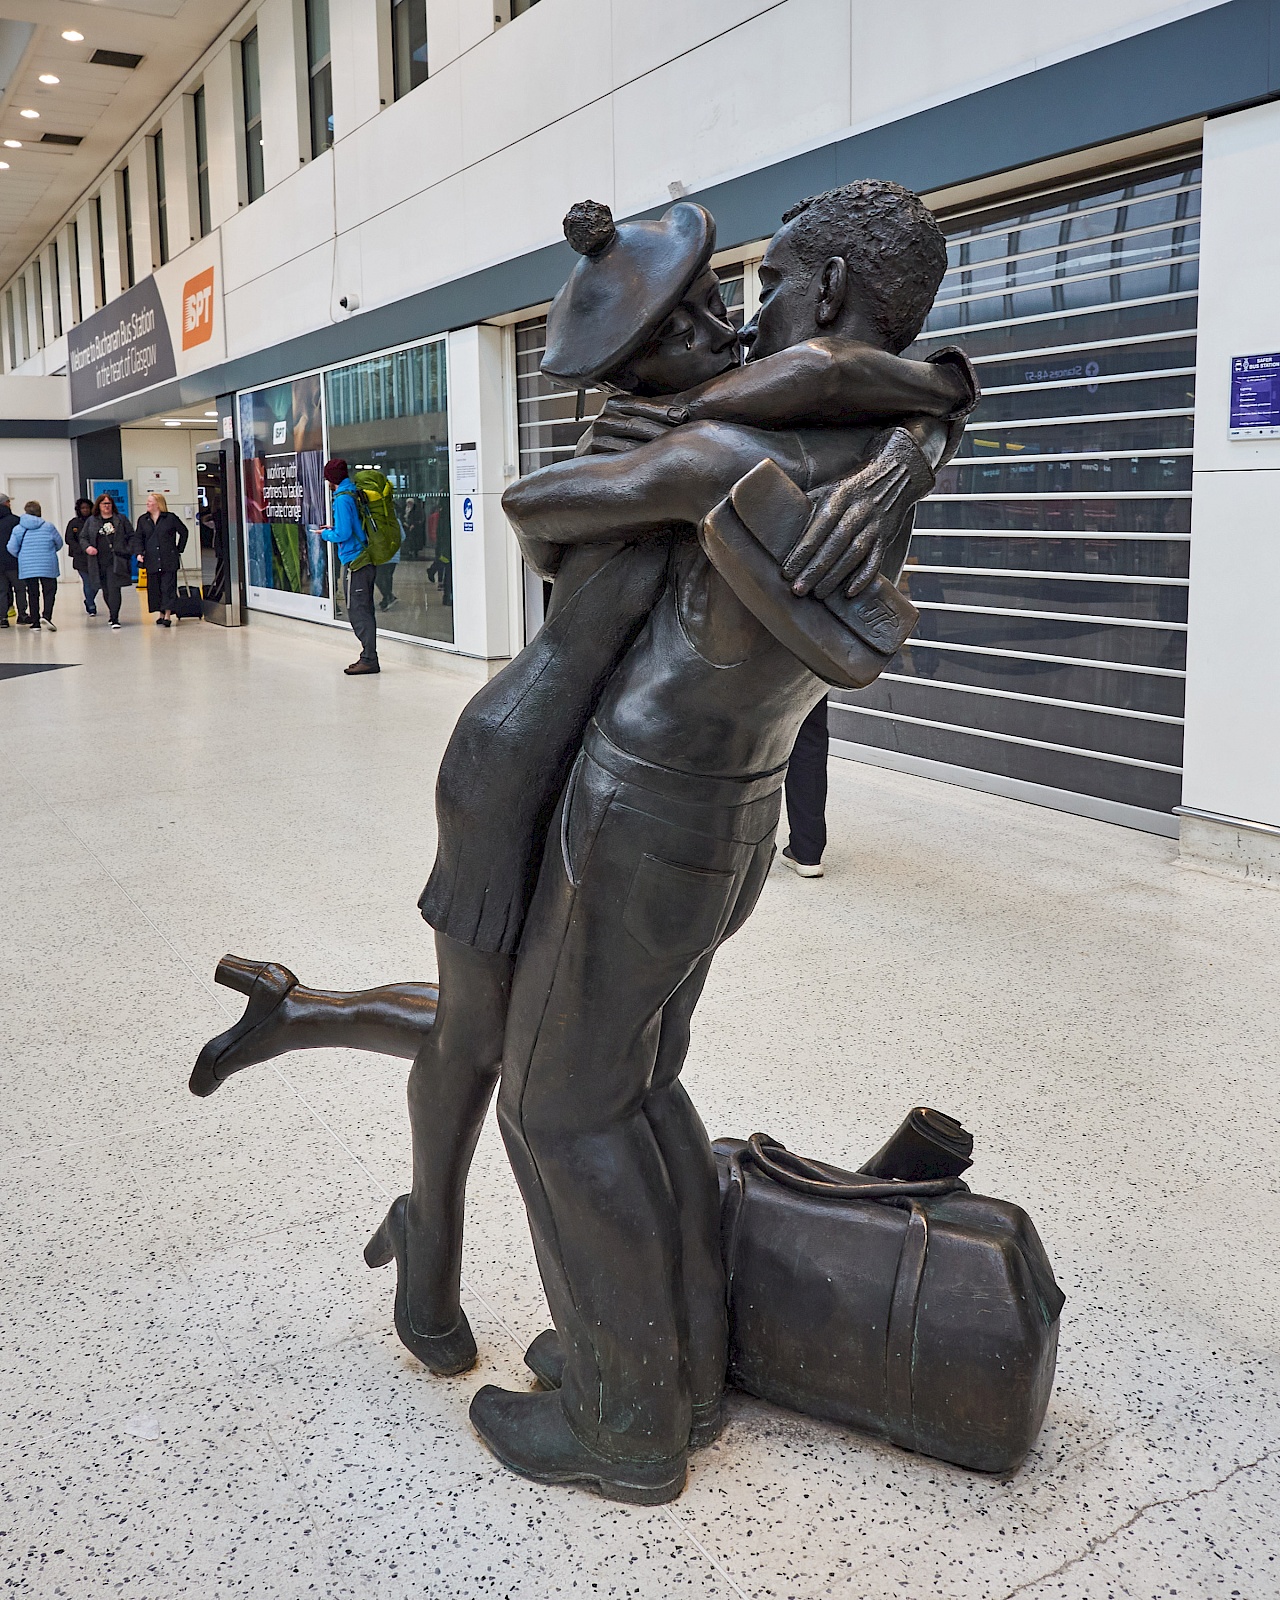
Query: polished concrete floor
point(200, 1391)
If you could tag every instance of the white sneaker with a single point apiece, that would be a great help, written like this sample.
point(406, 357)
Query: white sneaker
point(115, 627)
point(51, 626)
point(802, 869)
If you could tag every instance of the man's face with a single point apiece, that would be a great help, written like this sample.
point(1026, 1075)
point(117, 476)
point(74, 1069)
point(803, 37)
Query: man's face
point(696, 342)
point(789, 296)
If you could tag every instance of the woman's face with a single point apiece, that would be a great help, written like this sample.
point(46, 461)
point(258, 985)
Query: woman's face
point(153, 506)
point(696, 342)
point(106, 506)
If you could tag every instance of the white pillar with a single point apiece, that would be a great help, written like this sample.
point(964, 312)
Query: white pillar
point(181, 201)
point(1231, 788)
point(142, 207)
point(360, 41)
point(482, 606)
point(49, 294)
point(68, 278)
point(224, 126)
point(91, 296)
point(112, 239)
point(282, 57)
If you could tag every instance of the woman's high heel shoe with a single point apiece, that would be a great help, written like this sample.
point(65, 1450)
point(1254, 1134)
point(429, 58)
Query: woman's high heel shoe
point(266, 983)
point(445, 1354)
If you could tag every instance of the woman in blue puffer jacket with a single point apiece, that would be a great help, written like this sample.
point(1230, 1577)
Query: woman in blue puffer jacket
point(36, 543)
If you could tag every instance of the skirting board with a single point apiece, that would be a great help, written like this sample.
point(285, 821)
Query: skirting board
point(1082, 805)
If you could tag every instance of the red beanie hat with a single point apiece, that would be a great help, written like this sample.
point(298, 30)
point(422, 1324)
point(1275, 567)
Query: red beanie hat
point(335, 471)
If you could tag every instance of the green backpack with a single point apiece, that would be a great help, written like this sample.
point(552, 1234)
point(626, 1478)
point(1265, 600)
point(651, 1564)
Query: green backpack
point(377, 514)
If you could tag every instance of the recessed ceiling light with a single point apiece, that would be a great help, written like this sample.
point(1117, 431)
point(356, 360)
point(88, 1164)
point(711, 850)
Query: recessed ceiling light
point(13, 144)
point(48, 77)
point(28, 112)
point(72, 37)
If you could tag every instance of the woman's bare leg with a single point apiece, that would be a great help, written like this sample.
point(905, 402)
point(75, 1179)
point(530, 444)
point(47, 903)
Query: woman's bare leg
point(282, 1015)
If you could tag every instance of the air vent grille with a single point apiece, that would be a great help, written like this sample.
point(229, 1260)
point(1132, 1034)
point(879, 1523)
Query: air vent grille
point(114, 58)
point(60, 138)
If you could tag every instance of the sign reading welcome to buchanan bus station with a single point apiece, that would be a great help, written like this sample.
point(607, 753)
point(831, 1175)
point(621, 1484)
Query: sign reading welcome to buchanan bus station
point(120, 349)
point(165, 327)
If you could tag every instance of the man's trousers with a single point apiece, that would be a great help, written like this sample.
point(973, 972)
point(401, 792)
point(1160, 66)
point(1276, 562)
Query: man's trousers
point(646, 872)
point(360, 613)
point(807, 788)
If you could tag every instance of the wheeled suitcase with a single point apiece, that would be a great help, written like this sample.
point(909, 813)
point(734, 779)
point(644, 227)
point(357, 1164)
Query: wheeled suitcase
point(190, 602)
point(915, 1310)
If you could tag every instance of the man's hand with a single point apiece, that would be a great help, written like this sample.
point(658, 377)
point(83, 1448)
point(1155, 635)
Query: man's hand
point(854, 520)
point(625, 423)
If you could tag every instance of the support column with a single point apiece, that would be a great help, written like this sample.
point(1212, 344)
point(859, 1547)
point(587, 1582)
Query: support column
point(481, 540)
point(1230, 816)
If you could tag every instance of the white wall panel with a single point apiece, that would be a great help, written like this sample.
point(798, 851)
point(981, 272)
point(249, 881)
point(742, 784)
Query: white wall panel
point(224, 123)
point(146, 247)
point(279, 305)
point(360, 33)
point(515, 200)
point(1232, 760)
point(541, 67)
point(647, 33)
point(414, 144)
point(443, 33)
point(275, 229)
point(421, 241)
point(182, 207)
point(705, 115)
point(481, 568)
point(282, 52)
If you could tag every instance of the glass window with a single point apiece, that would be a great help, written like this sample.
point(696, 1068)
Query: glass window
point(202, 160)
point(252, 87)
point(77, 302)
point(126, 211)
point(100, 289)
point(282, 466)
point(9, 325)
point(320, 75)
point(408, 44)
point(55, 266)
point(162, 214)
point(38, 274)
point(391, 415)
point(519, 7)
point(24, 326)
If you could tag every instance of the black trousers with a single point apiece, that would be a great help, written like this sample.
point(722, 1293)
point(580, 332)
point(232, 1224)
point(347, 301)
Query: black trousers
point(112, 589)
point(36, 587)
point(13, 592)
point(648, 872)
point(162, 590)
point(807, 788)
point(360, 613)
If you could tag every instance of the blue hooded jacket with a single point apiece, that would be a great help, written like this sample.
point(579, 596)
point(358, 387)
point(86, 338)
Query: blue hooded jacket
point(36, 543)
point(346, 532)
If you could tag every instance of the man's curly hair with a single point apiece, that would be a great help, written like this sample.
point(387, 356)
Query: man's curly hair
point(895, 251)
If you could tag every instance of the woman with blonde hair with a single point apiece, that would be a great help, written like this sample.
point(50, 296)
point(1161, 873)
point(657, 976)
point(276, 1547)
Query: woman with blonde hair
point(163, 537)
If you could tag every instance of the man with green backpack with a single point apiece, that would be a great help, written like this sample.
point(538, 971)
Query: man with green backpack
point(367, 533)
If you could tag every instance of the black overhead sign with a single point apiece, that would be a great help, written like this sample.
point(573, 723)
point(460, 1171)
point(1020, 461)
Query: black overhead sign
point(120, 349)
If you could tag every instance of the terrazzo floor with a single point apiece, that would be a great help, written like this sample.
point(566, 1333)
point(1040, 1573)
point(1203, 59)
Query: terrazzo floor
point(200, 1391)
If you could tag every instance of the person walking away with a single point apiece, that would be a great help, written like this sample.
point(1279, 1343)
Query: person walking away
point(384, 576)
point(109, 540)
point(36, 543)
point(162, 536)
point(348, 534)
point(13, 594)
point(806, 789)
point(79, 559)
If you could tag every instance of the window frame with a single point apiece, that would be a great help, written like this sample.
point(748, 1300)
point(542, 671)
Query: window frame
point(399, 67)
point(156, 143)
point(319, 77)
point(200, 122)
point(126, 217)
point(251, 125)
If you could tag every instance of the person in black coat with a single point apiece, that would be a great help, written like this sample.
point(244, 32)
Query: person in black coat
point(79, 559)
point(108, 539)
point(162, 537)
point(12, 591)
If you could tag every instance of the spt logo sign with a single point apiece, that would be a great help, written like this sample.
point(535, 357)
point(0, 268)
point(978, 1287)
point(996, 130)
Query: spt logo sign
point(197, 309)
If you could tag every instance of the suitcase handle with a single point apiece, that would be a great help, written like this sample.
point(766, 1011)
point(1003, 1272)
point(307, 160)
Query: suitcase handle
point(831, 1183)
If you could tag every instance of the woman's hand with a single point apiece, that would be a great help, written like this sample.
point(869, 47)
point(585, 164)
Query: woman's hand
point(91, 550)
point(625, 423)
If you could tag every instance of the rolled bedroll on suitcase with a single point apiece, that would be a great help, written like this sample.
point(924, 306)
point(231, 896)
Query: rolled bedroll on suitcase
point(914, 1310)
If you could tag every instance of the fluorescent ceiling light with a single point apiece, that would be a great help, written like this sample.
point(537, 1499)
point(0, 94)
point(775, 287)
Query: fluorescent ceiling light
point(71, 36)
point(4, 166)
point(172, 422)
point(211, 413)
point(28, 112)
point(48, 77)
point(13, 144)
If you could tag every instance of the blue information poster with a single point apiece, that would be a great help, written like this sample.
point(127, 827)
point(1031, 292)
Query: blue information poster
point(1255, 397)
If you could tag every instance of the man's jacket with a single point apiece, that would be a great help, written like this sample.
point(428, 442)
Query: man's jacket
point(347, 533)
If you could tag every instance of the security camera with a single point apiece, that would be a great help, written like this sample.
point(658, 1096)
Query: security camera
point(350, 302)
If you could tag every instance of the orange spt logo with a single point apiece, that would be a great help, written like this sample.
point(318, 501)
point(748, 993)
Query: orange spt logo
point(197, 309)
